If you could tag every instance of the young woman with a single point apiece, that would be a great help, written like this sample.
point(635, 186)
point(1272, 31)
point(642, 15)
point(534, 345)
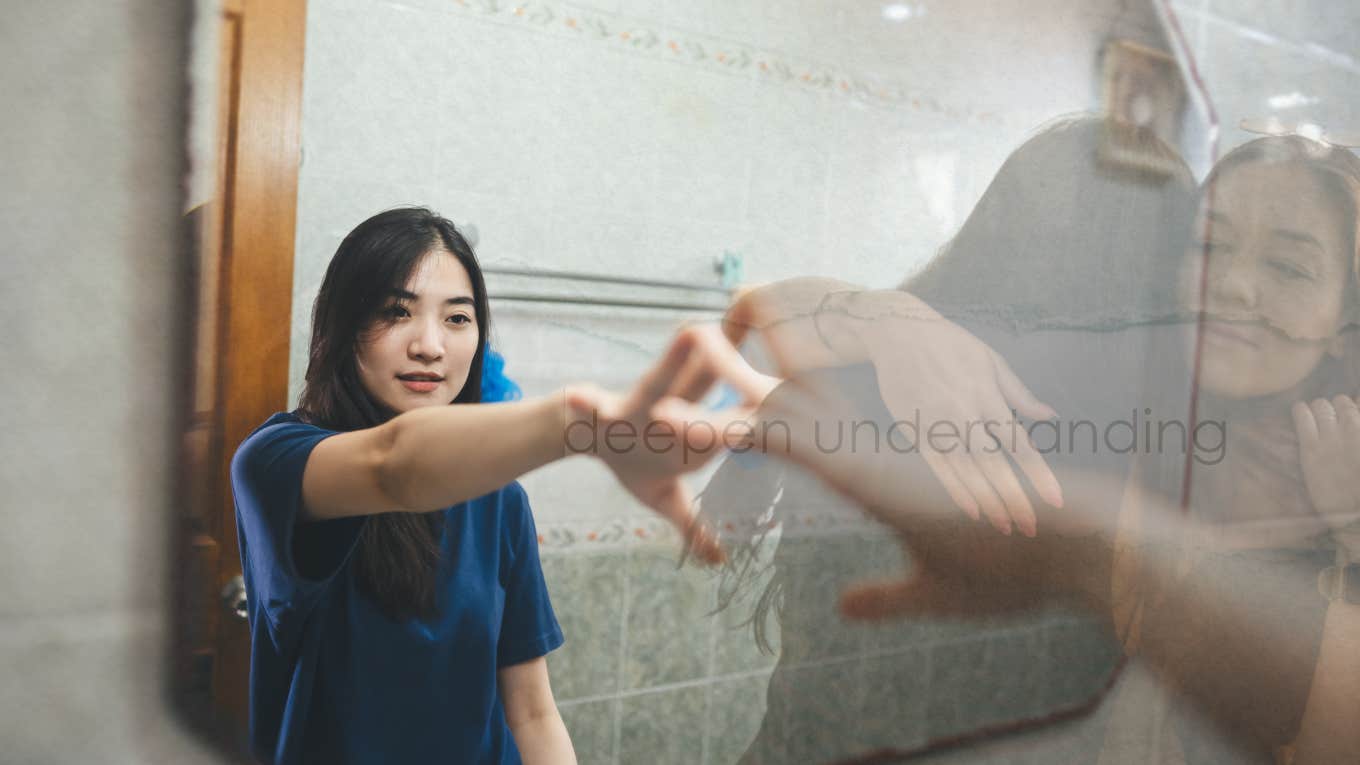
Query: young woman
point(1061, 285)
point(397, 607)
point(1223, 606)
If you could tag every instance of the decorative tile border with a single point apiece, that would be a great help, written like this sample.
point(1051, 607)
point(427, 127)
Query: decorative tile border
point(629, 533)
point(714, 54)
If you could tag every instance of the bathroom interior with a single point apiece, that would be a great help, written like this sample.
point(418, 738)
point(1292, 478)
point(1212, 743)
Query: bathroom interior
point(622, 168)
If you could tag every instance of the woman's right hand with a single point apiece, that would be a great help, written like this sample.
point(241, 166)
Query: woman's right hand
point(656, 432)
point(930, 372)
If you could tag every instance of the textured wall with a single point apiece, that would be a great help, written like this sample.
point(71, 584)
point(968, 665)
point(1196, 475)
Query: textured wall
point(94, 311)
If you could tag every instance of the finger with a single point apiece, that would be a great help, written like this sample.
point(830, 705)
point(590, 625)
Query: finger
point(713, 358)
point(998, 471)
point(1325, 416)
point(588, 400)
point(952, 485)
point(1304, 424)
point(737, 320)
point(656, 381)
point(1034, 467)
point(1017, 395)
point(1348, 419)
point(981, 489)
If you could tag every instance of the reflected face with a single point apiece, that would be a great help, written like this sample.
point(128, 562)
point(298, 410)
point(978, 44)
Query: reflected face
point(420, 349)
point(1270, 252)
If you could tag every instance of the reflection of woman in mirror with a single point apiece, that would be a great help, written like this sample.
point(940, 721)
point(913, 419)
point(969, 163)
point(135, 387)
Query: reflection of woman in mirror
point(1271, 277)
point(1065, 270)
point(1224, 605)
point(397, 608)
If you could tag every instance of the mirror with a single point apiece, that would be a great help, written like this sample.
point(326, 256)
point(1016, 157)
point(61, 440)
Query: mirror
point(605, 156)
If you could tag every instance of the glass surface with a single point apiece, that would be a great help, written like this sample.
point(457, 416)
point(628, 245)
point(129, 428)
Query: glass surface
point(1123, 233)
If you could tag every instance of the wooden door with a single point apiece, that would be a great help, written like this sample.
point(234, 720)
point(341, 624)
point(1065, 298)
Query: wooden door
point(243, 251)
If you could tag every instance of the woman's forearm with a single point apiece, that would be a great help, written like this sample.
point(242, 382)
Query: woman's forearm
point(544, 740)
point(1329, 732)
point(814, 322)
point(1232, 633)
point(437, 456)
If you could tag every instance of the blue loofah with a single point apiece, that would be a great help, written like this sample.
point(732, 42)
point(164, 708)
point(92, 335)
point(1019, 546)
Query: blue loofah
point(495, 385)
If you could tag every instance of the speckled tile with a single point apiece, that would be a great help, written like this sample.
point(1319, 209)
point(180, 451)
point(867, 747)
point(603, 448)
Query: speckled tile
point(663, 727)
point(1083, 656)
point(736, 712)
point(893, 709)
point(587, 594)
point(814, 571)
point(823, 722)
point(669, 619)
point(769, 746)
point(987, 681)
point(591, 725)
point(735, 647)
point(887, 559)
point(955, 668)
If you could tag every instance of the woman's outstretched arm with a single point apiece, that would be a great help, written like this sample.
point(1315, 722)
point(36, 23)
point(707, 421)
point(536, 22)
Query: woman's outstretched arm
point(433, 457)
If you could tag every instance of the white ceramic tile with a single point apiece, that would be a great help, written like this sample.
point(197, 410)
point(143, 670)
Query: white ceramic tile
point(371, 91)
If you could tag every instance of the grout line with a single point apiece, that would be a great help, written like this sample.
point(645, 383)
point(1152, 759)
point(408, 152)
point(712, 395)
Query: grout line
point(623, 664)
point(923, 645)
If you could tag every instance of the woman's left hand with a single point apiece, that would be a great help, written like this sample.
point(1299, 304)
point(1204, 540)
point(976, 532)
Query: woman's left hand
point(657, 431)
point(1329, 450)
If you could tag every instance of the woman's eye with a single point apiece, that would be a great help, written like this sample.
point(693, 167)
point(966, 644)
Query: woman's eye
point(396, 312)
point(1289, 270)
point(460, 319)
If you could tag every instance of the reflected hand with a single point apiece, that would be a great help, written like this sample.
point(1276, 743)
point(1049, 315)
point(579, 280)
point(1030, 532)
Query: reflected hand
point(657, 431)
point(929, 370)
point(937, 374)
point(1329, 450)
point(957, 573)
point(960, 568)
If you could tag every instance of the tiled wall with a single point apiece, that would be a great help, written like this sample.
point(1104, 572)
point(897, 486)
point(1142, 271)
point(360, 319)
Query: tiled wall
point(652, 665)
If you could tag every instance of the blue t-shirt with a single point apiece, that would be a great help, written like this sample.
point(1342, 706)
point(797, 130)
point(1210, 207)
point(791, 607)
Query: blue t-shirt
point(332, 678)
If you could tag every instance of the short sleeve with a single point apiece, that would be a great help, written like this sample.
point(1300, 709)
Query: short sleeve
point(286, 567)
point(529, 627)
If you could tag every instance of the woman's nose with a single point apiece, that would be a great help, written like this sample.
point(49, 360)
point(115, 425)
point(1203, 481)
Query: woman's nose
point(428, 343)
point(1233, 283)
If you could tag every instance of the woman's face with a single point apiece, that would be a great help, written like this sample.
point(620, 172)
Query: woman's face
point(1275, 286)
point(420, 349)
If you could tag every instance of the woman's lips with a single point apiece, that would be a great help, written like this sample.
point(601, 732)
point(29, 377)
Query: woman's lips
point(420, 383)
point(420, 386)
point(1233, 333)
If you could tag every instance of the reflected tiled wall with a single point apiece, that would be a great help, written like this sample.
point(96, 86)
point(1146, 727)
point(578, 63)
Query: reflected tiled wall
point(1298, 61)
point(652, 672)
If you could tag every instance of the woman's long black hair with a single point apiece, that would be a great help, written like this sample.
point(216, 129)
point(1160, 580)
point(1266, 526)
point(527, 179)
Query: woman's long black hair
point(398, 554)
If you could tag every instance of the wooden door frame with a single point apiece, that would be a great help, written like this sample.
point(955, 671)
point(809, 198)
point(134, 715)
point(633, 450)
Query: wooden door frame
point(244, 311)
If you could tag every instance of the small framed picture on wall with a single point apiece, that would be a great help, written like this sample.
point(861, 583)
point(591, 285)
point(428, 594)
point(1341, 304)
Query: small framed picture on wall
point(1141, 87)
